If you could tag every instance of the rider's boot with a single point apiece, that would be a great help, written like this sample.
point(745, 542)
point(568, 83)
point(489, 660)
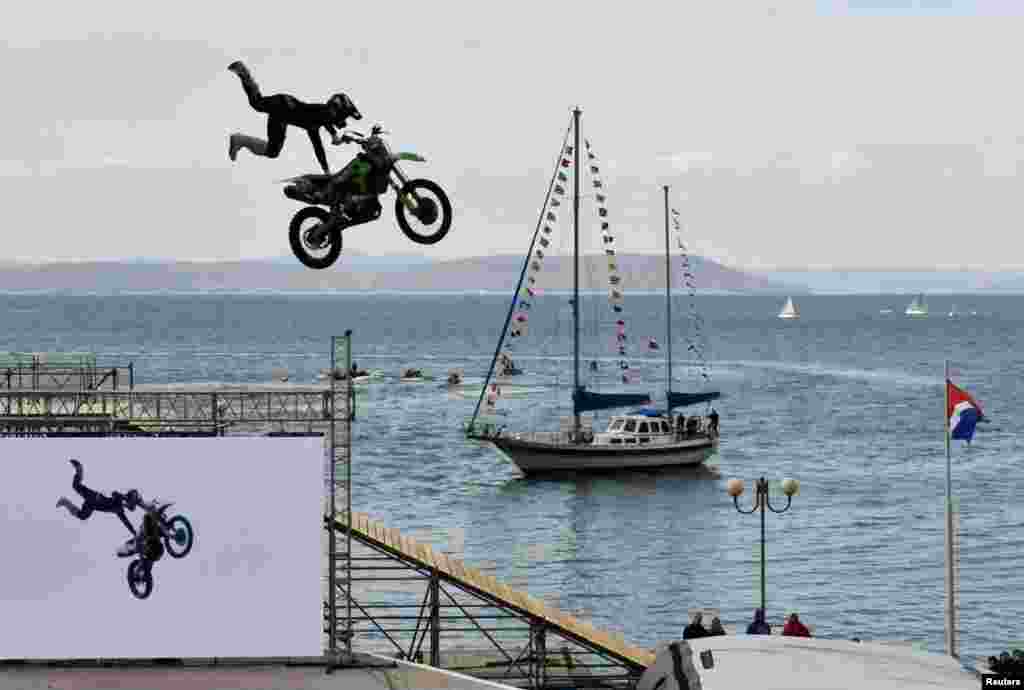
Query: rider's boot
point(239, 68)
point(252, 90)
point(78, 469)
point(71, 507)
point(243, 141)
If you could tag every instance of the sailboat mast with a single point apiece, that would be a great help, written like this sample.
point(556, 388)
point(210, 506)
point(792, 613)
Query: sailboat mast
point(576, 266)
point(668, 309)
point(522, 275)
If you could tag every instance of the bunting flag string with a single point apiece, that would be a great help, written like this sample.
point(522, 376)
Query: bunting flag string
point(695, 344)
point(615, 297)
point(524, 300)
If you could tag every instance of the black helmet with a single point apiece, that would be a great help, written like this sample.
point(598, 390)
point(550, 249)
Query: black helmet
point(345, 107)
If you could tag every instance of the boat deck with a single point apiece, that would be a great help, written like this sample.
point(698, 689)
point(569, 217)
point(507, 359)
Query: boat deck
point(561, 439)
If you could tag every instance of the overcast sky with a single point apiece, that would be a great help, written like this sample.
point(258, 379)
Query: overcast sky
point(877, 134)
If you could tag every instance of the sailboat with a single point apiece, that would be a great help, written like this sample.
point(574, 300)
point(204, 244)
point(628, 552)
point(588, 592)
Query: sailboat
point(917, 307)
point(789, 311)
point(642, 438)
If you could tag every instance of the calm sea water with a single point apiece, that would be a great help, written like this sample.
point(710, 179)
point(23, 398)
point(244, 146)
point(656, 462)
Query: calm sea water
point(847, 400)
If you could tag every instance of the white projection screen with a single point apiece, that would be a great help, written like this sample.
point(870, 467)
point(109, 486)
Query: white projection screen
point(251, 585)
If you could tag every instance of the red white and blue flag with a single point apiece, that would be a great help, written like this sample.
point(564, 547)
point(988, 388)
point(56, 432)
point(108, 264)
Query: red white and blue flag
point(963, 412)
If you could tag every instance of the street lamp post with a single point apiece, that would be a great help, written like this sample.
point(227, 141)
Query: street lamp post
point(790, 487)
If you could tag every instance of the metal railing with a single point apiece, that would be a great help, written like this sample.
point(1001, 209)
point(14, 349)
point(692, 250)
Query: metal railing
point(42, 376)
point(167, 411)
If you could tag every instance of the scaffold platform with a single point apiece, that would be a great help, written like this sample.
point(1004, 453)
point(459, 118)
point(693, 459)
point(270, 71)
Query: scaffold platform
point(207, 409)
point(551, 649)
point(465, 620)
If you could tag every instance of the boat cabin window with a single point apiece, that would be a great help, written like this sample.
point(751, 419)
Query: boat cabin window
point(665, 427)
point(630, 425)
point(643, 428)
point(616, 425)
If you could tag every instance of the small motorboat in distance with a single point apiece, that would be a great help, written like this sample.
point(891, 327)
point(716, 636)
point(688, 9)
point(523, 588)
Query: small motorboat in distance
point(413, 376)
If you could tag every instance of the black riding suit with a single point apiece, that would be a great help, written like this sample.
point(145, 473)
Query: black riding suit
point(283, 110)
point(95, 501)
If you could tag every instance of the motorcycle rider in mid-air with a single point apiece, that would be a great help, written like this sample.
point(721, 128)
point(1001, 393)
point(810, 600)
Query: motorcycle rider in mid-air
point(284, 109)
point(94, 501)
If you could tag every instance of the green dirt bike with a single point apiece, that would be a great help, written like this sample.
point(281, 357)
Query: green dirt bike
point(352, 197)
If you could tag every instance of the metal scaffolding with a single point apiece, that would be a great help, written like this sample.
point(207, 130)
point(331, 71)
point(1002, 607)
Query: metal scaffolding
point(340, 489)
point(202, 412)
point(36, 375)
point(457, 619)
point(378, 597)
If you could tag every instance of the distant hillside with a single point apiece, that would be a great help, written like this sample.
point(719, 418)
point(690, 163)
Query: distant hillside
point(638, 271)
point(897, 282)
point(1007, 283)
point(353, 272)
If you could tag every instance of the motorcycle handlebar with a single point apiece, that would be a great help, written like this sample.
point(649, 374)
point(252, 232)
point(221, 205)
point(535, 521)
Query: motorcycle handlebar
point(359, 137)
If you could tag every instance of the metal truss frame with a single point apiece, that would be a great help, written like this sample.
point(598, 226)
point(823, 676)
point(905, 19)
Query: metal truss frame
point(509, 644)
point(158, 412)
point(450, 613)
point(340, 489)
point(40, 376)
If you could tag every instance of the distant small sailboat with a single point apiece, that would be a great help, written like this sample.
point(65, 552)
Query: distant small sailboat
point(789, 311)
point(953, 313)
point(918, 307)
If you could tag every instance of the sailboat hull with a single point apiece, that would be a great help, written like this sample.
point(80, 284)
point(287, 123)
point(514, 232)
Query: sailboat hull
point(540, 452)
point(918, 307)
point(789, 310)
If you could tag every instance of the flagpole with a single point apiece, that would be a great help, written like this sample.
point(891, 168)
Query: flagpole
point(950, 594)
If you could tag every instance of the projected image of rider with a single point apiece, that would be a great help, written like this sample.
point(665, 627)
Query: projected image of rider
point(282, 110)
point(94, 501)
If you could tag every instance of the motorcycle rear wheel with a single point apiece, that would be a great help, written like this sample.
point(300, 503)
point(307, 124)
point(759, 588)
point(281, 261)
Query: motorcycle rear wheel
point(140, 579)
point(298, 237)
point(179, 545)
point(434, 213)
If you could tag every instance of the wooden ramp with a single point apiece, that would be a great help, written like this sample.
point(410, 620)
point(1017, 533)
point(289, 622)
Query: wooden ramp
point(376, 534)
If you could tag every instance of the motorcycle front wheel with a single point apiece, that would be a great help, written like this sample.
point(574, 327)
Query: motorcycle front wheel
point(311, 253)
point(433, 211)
point(180, 537)
point(140, 579)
